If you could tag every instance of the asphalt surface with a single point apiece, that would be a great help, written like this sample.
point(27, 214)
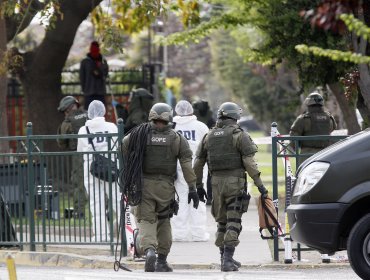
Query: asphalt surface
point(42, 273)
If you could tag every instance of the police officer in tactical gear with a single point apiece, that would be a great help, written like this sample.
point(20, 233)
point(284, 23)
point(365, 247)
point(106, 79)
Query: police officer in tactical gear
point(75, 117)
point(229, 152)
point(163, 148)
point(316, 121)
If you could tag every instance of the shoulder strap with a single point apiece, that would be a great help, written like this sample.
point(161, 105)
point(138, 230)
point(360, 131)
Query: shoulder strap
point(90, 140)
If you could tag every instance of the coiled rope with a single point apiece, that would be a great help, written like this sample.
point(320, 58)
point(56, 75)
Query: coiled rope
point(133, 161)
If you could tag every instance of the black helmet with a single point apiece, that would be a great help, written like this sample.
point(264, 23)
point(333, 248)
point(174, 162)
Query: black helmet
point(229, 110)
point(66, 102)
point(314, 98)
point(161, 111)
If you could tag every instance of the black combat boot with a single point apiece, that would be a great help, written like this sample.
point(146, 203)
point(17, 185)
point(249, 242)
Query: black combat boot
point(228, 262)
point(161, 265)
point(236, 263)
point(150, 259)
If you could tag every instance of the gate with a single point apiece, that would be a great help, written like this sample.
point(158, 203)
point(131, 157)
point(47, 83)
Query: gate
point(37, 195)
point(283, 152)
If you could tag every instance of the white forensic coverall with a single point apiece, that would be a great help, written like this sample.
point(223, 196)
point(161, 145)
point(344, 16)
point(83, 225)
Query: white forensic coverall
point(98, 189)
point(189, 224)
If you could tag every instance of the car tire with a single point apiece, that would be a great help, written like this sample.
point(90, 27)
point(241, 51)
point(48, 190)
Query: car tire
point(358, 247)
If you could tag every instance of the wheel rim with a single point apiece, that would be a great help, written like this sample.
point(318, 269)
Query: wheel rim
point(366, 249)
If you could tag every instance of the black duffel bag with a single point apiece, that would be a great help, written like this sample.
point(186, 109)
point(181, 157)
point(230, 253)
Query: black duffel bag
point(102, 166)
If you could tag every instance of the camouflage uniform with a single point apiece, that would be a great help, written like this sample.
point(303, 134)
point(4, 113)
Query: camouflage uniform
point(316, 121)
point(227, 180)
point(229, 153)
point(164, 147)
point(71, 124)
point(159, 189)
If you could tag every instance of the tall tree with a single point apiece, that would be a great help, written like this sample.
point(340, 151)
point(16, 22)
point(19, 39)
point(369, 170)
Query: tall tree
point(41, 75)
point(268, 95)
point(43, 66)
point(280, 29)
point(335, 16)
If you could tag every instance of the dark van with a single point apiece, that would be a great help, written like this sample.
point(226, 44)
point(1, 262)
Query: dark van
point(330, 205)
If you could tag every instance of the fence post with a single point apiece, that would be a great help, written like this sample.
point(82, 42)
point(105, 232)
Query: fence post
point(30, 186)
point(110, 191)
point(275, 185)
point(121, 132)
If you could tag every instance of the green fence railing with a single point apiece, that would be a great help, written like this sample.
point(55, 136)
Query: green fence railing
point(38, 194)
point(286, 148)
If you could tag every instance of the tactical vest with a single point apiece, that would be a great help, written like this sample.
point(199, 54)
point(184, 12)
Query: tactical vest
point(77, 119)
point(159, 156)
point(222, 154)
point(317, 123)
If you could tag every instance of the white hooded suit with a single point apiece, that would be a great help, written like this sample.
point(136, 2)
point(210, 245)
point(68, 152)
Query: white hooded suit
point(189, 224)
point(97, 189)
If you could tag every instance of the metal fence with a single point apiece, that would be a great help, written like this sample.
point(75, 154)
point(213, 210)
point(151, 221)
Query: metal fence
point(38, 194)
point(284, 149)
point(119, 85)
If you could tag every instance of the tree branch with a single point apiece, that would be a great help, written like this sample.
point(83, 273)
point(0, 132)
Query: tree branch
point(12, 23)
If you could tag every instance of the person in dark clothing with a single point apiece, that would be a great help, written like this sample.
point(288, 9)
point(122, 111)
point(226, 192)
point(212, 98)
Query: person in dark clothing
point(93, 74)
point(205, 115)
point(141, 101)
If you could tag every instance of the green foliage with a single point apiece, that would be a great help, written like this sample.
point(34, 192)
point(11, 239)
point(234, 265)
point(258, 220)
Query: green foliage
point(123, 17)
point(20, 9)
point(356, 25)
point(271, 103)
point(202, 30)
point(113, 37)
point(333, 54)
point(10, 61)
point(264, 97)
point(282, 28)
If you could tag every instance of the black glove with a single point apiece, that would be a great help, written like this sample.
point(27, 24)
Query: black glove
point(263, 191)
point(193, 196)
point(202, 193)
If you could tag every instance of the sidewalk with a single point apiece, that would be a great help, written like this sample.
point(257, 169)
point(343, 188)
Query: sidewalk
point(252, 249)
point(251, 252)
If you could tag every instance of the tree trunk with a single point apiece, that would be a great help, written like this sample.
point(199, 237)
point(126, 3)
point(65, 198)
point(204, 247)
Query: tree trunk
point(349, 113)
point(364, 82)
point(4, 145)
point(43, 66)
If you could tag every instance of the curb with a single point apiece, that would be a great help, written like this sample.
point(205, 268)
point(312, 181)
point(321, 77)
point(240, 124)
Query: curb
point(54, 259)
point(78, 261)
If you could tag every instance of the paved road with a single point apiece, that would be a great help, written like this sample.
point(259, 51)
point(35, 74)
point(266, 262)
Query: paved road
point(42, 273)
